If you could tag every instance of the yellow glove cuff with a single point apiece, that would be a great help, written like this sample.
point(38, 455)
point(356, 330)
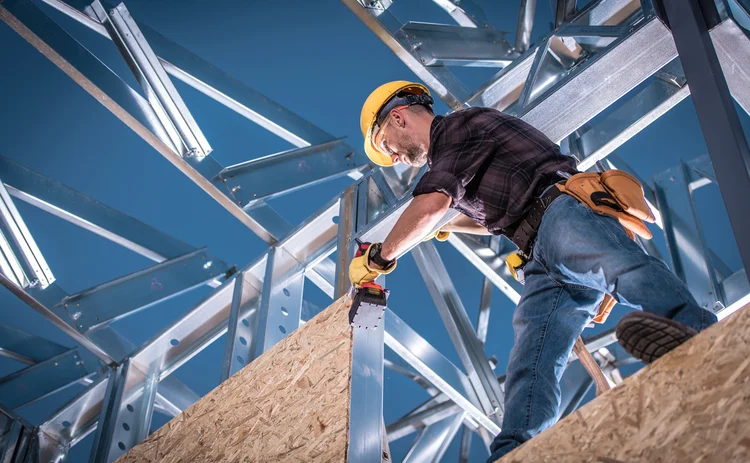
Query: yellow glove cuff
point(438, 235)
point(361, 272)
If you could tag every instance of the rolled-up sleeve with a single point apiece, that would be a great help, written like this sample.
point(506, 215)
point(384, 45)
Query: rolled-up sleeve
point(441, 181)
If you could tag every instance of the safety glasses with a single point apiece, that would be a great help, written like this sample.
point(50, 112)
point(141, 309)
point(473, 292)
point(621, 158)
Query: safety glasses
point(378, 131)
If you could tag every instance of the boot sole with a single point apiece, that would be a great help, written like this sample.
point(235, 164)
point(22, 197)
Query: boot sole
point(647, 337)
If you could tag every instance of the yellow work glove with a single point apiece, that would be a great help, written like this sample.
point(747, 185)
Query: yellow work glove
point(438, 235)
point(360, 271)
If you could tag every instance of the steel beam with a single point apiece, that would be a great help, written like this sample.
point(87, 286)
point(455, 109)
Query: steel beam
point(166, 102)
point(465, 12)
point(76, 419)
point(280, 305)
point(667, 90)
point(525, 24)
point(386, 27)
point(413, 422)
point(27, 348)
point(126, 412)
point(124, 296)
point(15, 444)
point(485, 300)
point(465, 450)
point(43, 379)
point(235, 350)
point(489, 262)
point(564, 11)
point(57, 321)
point(469, 347)
point(76, 61)
point(211, 81)
point(88, 213)
point(435, 368)
point(442, 45)
point(733, 49)
point(37, 270)
point(366, 436)
point(434, 440)
point(574, 385)
point(578, 99)
point(277, 174)
point(688, 254)
point(396, 368)
point(503, 89)
point(719, 121)
point(596, 342)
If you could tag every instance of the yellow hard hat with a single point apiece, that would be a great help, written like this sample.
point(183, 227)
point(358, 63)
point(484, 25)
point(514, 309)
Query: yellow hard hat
point(374, 105)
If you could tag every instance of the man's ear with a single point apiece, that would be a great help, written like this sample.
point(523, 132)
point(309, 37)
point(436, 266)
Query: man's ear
point(398, 118)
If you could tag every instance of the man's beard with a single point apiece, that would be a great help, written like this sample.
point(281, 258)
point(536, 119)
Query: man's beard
point(416, 155)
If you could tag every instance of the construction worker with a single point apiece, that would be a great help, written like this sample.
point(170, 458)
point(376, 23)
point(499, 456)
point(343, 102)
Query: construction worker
point(574, 232)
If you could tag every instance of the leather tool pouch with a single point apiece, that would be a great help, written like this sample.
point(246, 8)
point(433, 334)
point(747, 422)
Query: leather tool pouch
point(617, 194)
point(614, 193)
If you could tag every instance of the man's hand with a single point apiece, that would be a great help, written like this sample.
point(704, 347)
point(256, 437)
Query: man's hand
point(362, 271)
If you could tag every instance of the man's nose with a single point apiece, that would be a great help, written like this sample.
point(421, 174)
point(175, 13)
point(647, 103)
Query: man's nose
point(394, 158)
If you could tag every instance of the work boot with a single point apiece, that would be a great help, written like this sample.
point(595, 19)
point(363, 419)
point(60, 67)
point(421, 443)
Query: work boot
point(647, 336)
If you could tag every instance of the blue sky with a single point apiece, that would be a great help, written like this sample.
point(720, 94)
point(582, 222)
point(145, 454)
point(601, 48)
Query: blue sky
point(316, 59)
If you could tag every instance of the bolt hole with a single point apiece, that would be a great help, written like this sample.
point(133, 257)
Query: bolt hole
point(245, 322)
point(130, 408)
point(125, 426)
point(282, 329)
point(286, 292)
point(175, 342)
point(335, 219)
point(241, 360)
point(243, 341)
point(121, 445)
point(284, 311)
point(66, 424)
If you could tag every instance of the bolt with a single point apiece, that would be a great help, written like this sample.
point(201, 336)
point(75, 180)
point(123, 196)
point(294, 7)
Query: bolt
point(77, 315)
point(235, 189)
point(56, 364)
point(207, 265)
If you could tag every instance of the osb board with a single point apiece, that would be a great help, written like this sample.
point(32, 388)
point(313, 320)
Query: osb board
point(289, 405)
point(692, 405)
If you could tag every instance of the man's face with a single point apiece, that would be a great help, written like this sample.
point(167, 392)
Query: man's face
point(399, 142)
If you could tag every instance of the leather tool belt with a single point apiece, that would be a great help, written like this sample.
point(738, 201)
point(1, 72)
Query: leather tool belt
point(613, 192)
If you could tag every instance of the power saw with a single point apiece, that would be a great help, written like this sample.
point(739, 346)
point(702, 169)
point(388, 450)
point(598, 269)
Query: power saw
point(370, 300)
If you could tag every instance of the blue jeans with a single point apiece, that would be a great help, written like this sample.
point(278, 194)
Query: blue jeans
point(578, 256)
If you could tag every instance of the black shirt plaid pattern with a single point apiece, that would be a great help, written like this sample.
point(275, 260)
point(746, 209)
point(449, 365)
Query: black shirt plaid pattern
point(492, 165)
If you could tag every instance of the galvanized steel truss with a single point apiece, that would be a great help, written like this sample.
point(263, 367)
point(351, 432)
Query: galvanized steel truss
point(558, 85)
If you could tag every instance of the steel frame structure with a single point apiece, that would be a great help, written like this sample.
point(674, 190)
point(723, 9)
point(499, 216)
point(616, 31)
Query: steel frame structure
point(572, 86)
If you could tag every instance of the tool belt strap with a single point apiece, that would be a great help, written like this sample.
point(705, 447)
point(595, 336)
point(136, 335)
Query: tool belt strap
point(527, 229)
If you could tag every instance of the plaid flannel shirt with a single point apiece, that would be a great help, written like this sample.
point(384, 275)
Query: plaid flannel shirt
point(492, 165)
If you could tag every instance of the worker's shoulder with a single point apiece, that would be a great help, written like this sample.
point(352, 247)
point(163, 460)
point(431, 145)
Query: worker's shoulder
point(486, 117)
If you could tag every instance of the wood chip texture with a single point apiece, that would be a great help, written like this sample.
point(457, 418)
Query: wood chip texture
point(692, 405)
point(290, 405)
